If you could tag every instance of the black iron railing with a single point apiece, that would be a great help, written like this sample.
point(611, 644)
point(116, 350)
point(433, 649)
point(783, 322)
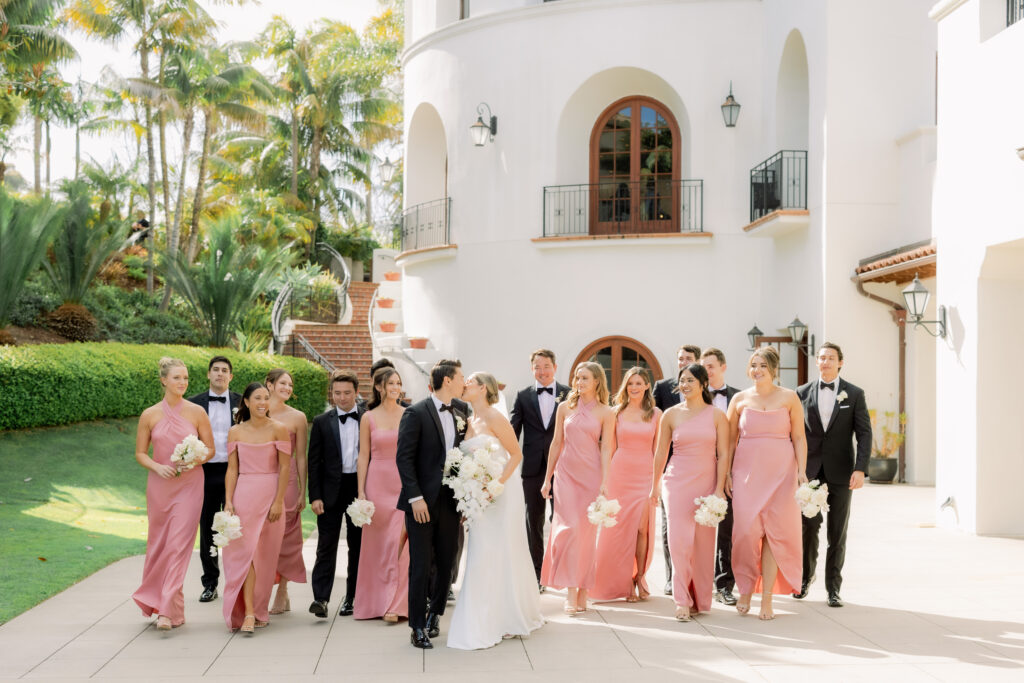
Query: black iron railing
point(426, 225)
point(313, 305)
point(1014, 11)
point(624, 208)
point(779, 182)
point(296, 345)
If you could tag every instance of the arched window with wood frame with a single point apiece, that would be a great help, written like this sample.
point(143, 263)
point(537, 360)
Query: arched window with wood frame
point(617, 354)
point(635, 169)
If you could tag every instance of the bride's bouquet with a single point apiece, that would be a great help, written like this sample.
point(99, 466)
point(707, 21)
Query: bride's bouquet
point(602, 512)
point(812, 496)
point(361, 512)
point(188, 453)
point(710, 510)
point(472, 473)
point(226, 527)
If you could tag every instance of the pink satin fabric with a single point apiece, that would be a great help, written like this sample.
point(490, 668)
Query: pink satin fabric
point(289, 564)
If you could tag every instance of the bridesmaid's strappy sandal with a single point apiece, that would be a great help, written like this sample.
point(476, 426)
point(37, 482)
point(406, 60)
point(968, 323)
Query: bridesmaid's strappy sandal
point(287, 607)
point(391, 618)
point(743, 609)
point(262, 624)
point(569, 609)
point(683, 614)
point(248, 624)
point(163, 623)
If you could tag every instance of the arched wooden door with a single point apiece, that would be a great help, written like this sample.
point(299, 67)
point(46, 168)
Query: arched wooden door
point(616, 354)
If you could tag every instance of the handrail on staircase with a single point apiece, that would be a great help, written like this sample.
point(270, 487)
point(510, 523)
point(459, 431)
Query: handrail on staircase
point(314, 354)
point(281, 302)
point(373, 337)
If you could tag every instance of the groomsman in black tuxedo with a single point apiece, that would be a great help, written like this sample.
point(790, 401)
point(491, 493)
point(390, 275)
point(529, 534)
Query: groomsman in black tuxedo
point(713, 361)
point(427, 431)
point(220, 403)
point(835, 414)
point(332, 457)
point(666, 395)
point(533, 416)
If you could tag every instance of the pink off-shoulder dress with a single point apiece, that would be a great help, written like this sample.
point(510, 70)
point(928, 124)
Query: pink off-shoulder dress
point(289, 564)
point(260, 544)
point(172, 507)
point(764, 501)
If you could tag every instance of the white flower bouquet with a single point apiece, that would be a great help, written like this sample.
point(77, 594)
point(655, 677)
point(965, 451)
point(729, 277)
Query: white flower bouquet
point(472, 474)
point(361, 512)
point(812, 497)
point(226, 528)
point(187, 454)
point(602, 512)
point(710, 510)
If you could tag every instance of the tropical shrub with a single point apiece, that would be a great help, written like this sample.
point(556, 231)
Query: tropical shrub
point(134, 316)
point(73, 321)
point(25, 230)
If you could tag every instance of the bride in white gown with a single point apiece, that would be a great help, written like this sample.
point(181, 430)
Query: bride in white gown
point(499, 596)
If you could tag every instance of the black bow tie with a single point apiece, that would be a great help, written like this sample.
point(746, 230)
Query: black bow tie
point(219, 399)
point(827, 385)
point(448, 408)
point(345, 416)
point(720, 392)
point(545, 390)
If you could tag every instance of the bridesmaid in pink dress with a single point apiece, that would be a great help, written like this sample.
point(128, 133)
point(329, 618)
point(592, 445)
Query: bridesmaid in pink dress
point(629, 482)
point(699, 434)
point(255, 484)
point(382, 585)
point(173, 500)
point(290, 566)
point(578, 460)
point(766, 424)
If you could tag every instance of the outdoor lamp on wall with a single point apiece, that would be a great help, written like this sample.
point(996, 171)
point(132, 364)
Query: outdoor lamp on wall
point(387, 170)
point(730, 109)
point(797, 330)
point(752, 336)
point(916, 296)
point(480, 131)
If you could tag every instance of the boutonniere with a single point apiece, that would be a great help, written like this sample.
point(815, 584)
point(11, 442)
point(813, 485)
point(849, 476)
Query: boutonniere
point(234, 411)
point(460, 424)
point(560, 397)
point(840, 397)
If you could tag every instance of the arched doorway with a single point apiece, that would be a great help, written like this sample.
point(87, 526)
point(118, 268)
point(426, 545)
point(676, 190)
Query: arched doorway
point(616, 354)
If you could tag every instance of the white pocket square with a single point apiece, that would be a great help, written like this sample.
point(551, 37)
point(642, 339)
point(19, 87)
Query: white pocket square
point(843, 407)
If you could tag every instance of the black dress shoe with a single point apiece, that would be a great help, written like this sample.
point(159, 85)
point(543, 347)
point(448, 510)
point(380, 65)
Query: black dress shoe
point(668, 587)
point(433, 625)
point(419, 639)
point(346, 608)
point(803, 589)
point(725, 597)
point(318, 608)
point(451, 595)
point(834, 600)
point(209, 595)
point(542, 589)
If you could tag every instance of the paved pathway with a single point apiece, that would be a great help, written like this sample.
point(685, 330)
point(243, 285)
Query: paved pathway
point(922, 604)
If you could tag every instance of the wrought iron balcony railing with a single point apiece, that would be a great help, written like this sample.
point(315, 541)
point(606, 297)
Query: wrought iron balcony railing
point(1014, 11)
point(426, 225)
point(779, 182)
point(619, 207)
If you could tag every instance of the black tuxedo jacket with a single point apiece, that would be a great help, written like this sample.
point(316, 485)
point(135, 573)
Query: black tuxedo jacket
point(666, 396)
point(831, 445)
point(527, 420)
point(421, 452)
point(203, 400)
point(324, 464)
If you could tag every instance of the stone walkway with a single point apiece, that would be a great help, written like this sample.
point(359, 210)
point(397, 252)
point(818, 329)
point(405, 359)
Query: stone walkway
point(922, 604)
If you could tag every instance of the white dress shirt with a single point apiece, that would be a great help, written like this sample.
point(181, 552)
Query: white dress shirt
point(447, 426)
point(826, 403)
point(220, 423)
point(348, 434)
point(547, 402)
point(719, 401)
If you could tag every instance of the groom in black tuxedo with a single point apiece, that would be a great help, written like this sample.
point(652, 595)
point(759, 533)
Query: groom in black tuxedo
point(333, 484)
point(713, 361)
point(666, 395)
point(220, 403)
point(533, 416)
point(835, 413)
point(427, 431)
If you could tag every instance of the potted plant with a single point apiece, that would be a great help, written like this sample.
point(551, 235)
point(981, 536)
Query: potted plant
point(385, 302)
point(388, 326)
point(392, 276)
point(418, 342)
point(888, 434)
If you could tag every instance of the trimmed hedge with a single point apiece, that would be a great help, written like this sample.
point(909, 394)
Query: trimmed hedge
point(52, 384)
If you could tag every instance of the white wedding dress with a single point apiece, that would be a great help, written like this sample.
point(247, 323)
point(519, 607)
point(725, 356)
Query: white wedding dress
point(499, 593)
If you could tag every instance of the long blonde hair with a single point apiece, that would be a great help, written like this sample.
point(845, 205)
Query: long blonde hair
point(597, 371)
point(622, 397)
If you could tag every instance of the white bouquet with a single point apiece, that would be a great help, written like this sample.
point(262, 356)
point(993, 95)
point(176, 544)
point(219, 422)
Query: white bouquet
point(710, 510)
point(226, 527)
point(188, 453)
point(602, 512)
point(472, 474)
point(361, 512)
point(812, 497)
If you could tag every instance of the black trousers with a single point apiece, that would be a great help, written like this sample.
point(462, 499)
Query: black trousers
point(213, 502)
point(839, 498)
point(432, 546)
point(664, 541)
point(328, 526)
point(536, 505)
point(724, 579)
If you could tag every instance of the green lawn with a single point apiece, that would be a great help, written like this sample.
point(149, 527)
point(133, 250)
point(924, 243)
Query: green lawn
point(72, 500)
